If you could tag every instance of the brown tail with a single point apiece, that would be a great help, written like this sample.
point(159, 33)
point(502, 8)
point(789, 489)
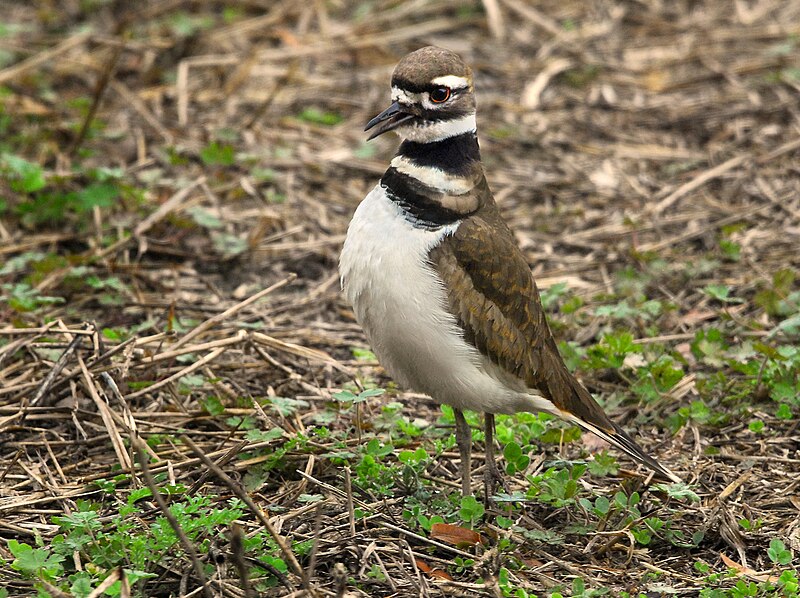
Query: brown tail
point(620, 439)
point(577, 406)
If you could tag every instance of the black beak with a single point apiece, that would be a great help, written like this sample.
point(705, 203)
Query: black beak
point(389, 119)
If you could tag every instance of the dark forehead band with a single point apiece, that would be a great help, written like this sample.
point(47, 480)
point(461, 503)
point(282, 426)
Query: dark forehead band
point(407, 85)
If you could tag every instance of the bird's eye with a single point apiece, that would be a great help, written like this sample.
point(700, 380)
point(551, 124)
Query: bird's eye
point(440, 94)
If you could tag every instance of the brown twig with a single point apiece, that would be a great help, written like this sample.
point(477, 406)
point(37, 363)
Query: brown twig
point(259, 514)
point(43, 57)
point(232, 310)
point(187, 545)
point(237, 556)
point(101, 86)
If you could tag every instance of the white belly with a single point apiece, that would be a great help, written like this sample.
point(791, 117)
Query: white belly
point(400, 302)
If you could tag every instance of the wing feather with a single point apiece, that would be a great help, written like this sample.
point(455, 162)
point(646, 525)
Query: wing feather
point(492, 293)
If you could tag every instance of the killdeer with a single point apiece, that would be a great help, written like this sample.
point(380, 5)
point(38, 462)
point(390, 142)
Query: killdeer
point(437, 281)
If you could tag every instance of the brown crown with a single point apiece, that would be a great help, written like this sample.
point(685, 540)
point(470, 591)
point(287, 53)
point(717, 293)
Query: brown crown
point(416, 70)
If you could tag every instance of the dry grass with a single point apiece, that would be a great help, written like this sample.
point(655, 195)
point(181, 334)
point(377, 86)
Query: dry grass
point(616, 135)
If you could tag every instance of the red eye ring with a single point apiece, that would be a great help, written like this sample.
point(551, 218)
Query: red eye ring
point(439, 95)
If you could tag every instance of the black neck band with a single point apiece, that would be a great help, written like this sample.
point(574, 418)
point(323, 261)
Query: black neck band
point(420, 204)
point(455, 155)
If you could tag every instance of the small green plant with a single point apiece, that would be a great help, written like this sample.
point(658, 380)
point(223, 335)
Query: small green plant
point(22, 297)
point(657, 377)
point(285, 406)
point(780, 299)
point(35, 563)
point(508, 587)
point(612, 350)
point(120, 542)
point(471, 510)
point(731, 250)
point(419, 511)
point(184, 24)
point(644, 532)
point(375, 572)
point(463, 564)
point(557, 487)
point(698, 412)
point(722, 293)
point(516, 460)
point(582, 76)
point(42, 199)
point(679, 491)
point(218, 154)
point(229, 245)
point(23, 176)
point(349, 398)
point(778, 553)
point(579, 590)
point(750, 525)
point(630, 310)
point(552, 294)
point(415, 458)
point(601, 506)
point(788, 581)
point(372, 471)
point(320, 117)
point(603, 464)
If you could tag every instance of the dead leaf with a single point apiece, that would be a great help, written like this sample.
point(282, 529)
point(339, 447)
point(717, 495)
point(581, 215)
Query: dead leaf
point(533, 563)
point(287, 37)
point(453, 534)
point(593, 443)
point(634, 360)
point(605, 178)
point(656, 81)
point(430, 572)
point(685, 350)
point(23, 105)
point(696, 316)
point(747, 571)
point(732, 487)
point(423, 566)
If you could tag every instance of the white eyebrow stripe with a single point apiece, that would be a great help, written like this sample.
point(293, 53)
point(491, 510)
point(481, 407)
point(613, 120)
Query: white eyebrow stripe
point(451, 81)
point(405, 97)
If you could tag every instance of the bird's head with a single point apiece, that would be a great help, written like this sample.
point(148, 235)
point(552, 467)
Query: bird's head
point(432, 98)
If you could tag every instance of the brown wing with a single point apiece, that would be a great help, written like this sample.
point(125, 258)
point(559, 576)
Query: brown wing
point(492, 293)
point(486, 274)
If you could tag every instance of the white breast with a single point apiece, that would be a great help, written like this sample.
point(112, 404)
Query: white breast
point(400, 302)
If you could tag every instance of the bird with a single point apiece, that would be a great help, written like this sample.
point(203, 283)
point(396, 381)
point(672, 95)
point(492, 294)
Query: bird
point(436, 279)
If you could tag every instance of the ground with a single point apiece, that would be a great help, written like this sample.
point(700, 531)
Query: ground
point(176, 180)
